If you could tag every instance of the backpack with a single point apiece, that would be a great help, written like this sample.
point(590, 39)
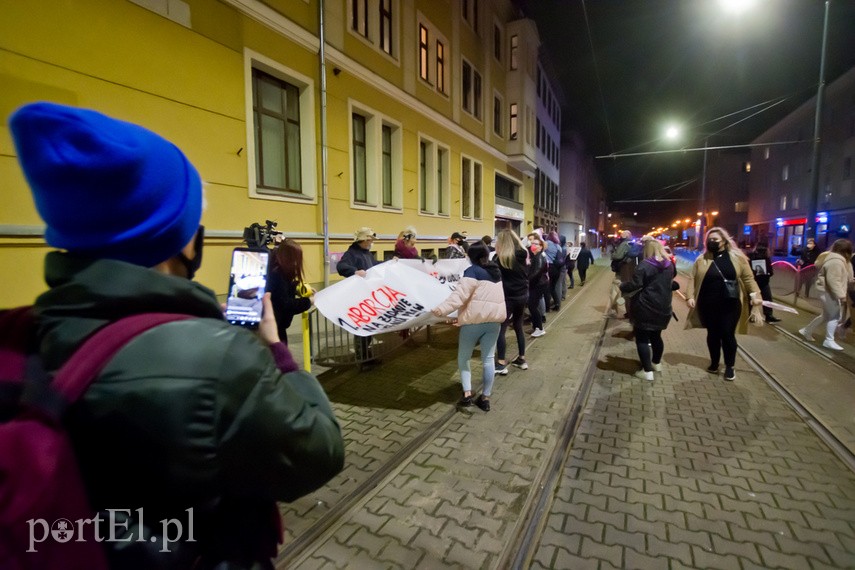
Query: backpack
point(42, 496)
point(635, 253)
point(561, 256)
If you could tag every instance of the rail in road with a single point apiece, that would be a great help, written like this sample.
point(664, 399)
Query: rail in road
point(415, 488)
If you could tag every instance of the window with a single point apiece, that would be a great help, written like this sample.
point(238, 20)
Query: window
point(470, 189)
point(784, 202)
point(746, 166)
point(377, 165)
point(515, 44)
point(471, 90)
point(785, 173)
point(766, 153)
point(513, 122)
point(497, 115)
point(506, 188)
point(440, 67)
point(359, 17)
point(796, 202)
point(433, 177)
point(497, 42)
point(386, 167)
point(360, 160)
point(276, 119)
point(423, 53)
point(386, 26)
point(433, 56)
point(280, 133)
point(847, 168)
point(375, 23)
point(470, 13)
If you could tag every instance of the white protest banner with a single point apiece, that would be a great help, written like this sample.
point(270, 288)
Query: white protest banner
point(573, 252)
point(391, 297)
point(446, 271)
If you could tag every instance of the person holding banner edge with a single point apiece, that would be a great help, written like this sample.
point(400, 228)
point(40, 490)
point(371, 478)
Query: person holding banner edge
point(480, 304)
point(356, 261)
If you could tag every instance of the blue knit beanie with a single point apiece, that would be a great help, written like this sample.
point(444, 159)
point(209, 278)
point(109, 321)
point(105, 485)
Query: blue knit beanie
point(104, 187)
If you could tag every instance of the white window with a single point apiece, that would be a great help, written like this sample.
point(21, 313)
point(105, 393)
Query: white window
point(796, 202)
point(498, 114)
point(376, 179)
point(280, 131)
point(785, 173)
point(470, 188)
point(766, 153)
point(515, 45)
point(434, 177)
point(470, 13)
point(783, 202)
point(514, 121)
point(471, 81)
point(433, 56)
point(376, 22)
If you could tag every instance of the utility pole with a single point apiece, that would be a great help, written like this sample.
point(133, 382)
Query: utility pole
point(813, 196)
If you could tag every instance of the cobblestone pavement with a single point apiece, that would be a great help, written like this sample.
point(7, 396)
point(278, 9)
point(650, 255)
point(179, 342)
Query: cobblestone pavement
point(457, 502)
point(690, 471)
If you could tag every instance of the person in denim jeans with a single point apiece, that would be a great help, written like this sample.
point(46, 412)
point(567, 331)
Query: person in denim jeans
point(480, 304)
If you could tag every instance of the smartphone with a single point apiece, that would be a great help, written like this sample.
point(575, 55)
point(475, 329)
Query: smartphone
point(247, 284)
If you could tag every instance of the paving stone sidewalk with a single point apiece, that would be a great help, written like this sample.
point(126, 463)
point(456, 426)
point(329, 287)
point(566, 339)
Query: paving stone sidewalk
point(690, 471)
point(457, 503)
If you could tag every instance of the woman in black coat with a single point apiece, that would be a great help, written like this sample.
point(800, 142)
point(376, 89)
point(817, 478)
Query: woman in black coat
point(288, 292)
point(651, 287)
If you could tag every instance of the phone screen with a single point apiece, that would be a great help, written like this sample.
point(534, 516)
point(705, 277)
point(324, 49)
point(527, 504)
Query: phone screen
point(247, 284)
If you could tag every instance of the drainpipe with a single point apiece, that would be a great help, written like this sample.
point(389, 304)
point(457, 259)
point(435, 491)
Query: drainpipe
point(324, 188)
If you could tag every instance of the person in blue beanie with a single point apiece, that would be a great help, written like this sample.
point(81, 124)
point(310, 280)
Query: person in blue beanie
point(194, 416)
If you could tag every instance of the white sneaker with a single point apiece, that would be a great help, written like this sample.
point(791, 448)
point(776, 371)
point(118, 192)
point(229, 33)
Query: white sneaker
point(642, 375)
point(831, 344)
point(657, 367)
point(538, 332)
point(807, 336)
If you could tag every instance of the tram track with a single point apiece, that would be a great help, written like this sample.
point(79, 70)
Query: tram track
point(305, 544)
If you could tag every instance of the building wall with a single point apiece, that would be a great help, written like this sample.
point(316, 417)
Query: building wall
point(780, 179)
point(184, 69)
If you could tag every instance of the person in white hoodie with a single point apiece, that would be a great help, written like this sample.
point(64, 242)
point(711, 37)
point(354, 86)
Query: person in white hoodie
point(480, 304)
point(834, 277)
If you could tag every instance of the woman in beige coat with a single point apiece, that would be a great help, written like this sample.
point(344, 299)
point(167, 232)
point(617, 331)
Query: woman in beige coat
point(718, 295)
point(480, 304)
point(834, 277)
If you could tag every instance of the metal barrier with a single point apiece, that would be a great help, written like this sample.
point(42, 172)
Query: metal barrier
point(331, 346)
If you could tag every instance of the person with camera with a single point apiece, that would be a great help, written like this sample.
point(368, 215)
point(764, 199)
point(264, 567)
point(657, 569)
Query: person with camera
point(721, 292)
point(193, 415)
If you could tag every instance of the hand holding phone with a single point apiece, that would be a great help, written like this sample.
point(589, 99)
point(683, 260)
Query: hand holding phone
point(247, 285)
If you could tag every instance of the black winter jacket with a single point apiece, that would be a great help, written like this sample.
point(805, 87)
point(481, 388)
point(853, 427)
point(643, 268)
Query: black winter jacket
point(651, 305)
point(515, 278)
point(190, 414)
point(355, 259)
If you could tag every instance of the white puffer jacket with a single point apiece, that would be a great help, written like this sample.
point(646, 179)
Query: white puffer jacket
point(477, 298)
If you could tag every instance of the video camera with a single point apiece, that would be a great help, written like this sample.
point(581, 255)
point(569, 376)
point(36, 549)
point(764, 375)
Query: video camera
point(257, 236)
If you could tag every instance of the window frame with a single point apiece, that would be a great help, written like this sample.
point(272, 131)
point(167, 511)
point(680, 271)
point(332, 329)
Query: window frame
point(471, 90)
point(375, 122)
point(471, 188)
point(308, 152)
point(434, 177)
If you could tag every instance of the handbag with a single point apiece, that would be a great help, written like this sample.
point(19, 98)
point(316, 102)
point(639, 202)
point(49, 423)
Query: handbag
point(730, 285)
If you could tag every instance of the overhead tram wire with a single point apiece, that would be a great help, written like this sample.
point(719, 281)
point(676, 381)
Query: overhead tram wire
point(597, 73)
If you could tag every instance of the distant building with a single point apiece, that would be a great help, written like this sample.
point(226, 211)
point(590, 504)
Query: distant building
point(780, 179)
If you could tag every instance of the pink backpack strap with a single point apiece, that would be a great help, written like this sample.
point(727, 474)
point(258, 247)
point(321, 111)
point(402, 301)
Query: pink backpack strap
point(75, 376)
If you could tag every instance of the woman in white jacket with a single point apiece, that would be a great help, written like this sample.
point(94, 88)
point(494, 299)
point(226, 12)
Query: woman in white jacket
point(480, 304)
point(834, 276)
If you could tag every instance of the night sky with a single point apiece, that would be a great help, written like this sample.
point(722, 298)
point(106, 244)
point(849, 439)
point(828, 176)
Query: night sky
point(688, 61)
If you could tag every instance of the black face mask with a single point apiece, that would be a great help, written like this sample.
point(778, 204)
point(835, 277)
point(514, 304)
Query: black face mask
point(193, 265)
point(713, 246)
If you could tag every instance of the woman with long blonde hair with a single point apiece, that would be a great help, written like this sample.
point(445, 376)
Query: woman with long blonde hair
point(651, 287)
point(720, 292)
point(512, 259)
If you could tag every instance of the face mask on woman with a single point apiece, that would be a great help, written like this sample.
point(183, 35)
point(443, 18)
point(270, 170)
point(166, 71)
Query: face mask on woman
point(713, 246)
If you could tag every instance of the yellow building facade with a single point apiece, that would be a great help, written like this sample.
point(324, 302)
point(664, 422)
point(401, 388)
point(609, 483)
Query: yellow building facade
point(322, 116)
